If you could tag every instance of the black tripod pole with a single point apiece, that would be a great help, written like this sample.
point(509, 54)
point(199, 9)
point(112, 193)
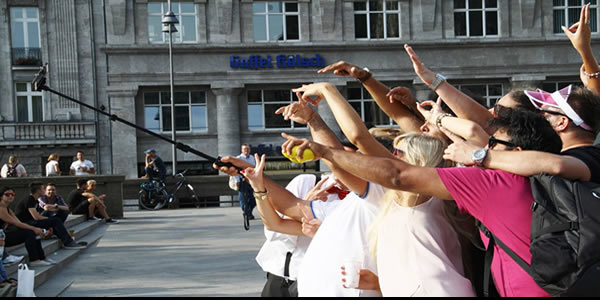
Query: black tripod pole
point(39, 84)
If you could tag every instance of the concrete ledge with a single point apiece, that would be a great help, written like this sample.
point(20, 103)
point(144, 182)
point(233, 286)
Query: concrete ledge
point(111, 185)
point(205, 186)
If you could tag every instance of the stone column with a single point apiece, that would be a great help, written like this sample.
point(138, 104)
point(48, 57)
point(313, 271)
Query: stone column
point(228, 117)
point(124, 137)
point(228, 123)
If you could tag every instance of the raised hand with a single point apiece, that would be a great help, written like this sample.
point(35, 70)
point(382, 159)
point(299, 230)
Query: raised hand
point(460, 151)
point(255, 175)
point(310, 225)
point(232, 171)
point(298, 112)
point(319, 192)
point(580, 34)
point(402, 95)
point(343, 68)
point(422, 71)
point(311, 93)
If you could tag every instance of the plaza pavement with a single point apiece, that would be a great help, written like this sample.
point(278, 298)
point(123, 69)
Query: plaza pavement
point(181, 253)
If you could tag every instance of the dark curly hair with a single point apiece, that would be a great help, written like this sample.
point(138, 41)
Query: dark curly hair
point(528, 130)
point(4, 189)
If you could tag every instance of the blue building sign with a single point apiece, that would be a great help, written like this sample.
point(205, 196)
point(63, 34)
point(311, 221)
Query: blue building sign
point(282, 61)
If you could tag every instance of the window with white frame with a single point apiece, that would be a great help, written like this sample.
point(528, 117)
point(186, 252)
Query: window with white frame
point(376, 19)
point(30, 103)
point(367, 108)
point(275, 21)
point(567, 13)
point(476, 18)
point(190, 111)
point(486, 94)
point(25, 34)
point(186, 28)
point(262, 104)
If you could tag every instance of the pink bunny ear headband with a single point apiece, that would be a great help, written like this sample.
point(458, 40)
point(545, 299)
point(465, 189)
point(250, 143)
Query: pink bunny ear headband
point(557, 99)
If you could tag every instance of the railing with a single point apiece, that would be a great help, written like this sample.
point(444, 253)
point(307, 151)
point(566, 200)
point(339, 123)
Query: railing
point(27, 56)
point(48, 131)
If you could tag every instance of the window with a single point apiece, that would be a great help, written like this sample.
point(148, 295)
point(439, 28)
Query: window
point(567, 13)
point(30, 104)
point(553, 86)
point(186, 15)
point(25, 34)
point(475, 18)
point(485, 94)
point(376, 19)
point(190, 111)
point(367, 109)
point(275, 21)
point(262, 105)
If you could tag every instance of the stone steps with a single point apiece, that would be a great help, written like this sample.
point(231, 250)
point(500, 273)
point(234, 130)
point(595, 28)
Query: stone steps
point(85, 231)
point(131, 205)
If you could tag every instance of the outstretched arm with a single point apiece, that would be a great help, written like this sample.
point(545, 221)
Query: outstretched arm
point(580, 36)
point(408, 120)
point(524, 163)
point(463, 106)
point(282, 200)
point(347, 118)
point(270, 218)
point(300, 112)
point(390, 173)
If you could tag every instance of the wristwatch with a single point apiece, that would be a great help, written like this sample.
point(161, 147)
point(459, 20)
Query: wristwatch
point(439, 78)
point(479, 156)
point(367, 76)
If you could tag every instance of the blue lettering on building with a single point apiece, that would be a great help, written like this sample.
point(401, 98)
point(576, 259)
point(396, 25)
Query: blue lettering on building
point(256, 62)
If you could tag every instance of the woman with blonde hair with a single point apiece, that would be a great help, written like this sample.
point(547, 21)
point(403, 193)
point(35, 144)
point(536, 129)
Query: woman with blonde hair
point(52, 168)
point(416, 249)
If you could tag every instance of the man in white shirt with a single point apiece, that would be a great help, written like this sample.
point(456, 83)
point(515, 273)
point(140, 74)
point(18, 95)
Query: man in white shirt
point(245, 192)
point(82, 166)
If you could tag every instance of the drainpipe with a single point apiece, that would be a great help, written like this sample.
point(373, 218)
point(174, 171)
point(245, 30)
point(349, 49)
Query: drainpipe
point(94, 85)
point(106, 64)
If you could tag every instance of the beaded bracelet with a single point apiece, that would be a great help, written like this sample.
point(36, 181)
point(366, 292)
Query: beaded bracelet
point(594, 75)
point(438, 121)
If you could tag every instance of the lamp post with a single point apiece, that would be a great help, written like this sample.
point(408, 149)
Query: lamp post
point(169, 20)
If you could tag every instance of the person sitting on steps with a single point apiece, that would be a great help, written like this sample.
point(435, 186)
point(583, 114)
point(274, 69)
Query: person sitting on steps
point(96, 203)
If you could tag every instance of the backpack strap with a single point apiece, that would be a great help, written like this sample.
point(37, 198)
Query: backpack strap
point(489, 255)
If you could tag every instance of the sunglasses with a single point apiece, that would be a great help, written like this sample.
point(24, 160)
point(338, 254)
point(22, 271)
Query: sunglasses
point(494, 141)
point(498, 108)
point(9, 194)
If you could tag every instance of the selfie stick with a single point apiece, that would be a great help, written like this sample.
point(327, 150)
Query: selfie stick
point(39, 84)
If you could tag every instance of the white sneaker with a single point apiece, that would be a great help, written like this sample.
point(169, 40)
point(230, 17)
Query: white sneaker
point(11, 259)
point(50, 261)
point(41, 263)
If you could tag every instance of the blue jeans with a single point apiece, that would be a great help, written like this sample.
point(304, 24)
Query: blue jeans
point(246, 196)
point(3, 273)
point(60, 214)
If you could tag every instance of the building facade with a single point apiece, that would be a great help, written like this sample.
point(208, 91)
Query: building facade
point(236, 61)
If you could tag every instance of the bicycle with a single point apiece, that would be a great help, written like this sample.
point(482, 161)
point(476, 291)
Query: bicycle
point(154, 196)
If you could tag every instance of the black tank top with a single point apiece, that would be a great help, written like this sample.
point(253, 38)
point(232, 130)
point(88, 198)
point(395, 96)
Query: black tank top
point(2, 223)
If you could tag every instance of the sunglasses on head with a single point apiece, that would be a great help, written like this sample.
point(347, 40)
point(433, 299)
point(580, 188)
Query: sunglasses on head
point(9, 194)
point(494, 141)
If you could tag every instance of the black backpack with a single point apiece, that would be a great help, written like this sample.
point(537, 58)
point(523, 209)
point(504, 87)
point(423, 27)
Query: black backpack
point(565, 237)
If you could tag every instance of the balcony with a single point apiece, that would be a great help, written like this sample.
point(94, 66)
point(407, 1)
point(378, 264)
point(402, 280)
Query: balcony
point(48, 133)
point(27, 57)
